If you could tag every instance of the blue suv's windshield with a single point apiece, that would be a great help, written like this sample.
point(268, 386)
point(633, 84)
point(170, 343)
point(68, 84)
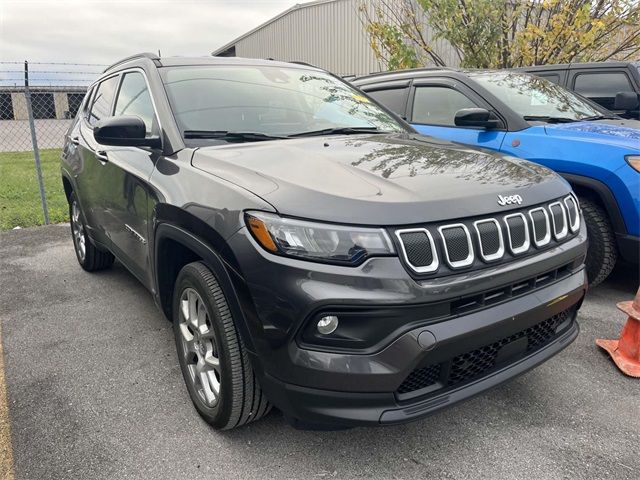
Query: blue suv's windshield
point(536, 98)
point(241, 101)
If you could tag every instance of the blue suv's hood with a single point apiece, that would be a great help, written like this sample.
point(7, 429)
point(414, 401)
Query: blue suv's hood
point(622, 133)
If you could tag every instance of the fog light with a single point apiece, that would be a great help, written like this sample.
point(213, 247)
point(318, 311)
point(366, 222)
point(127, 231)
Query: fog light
point(328, 324)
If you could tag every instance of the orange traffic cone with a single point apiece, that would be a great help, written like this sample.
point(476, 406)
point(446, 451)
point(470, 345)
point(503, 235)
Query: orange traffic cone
point(626, 351)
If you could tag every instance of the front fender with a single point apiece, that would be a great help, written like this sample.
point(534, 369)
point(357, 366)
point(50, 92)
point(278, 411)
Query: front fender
point(228, 277)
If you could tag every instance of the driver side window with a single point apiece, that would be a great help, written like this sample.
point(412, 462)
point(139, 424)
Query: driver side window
point(134, 99)
point(438, 105)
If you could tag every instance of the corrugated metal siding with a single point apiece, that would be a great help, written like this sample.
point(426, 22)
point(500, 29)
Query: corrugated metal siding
point(329, 35)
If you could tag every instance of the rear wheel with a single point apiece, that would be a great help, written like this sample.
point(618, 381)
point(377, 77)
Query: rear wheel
point(212, 356)
point(89, 257)
point(602, 253)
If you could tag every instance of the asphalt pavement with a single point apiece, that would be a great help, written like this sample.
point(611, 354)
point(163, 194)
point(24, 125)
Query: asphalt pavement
point(95, 391)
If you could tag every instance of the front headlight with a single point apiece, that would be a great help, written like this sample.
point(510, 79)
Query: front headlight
point(634, 161)
point(348, 245)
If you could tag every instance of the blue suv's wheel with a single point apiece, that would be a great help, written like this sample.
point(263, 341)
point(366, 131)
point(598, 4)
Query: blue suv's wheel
point(602, 253)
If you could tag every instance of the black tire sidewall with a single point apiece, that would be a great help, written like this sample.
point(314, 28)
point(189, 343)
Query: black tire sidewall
point(218, 415)
point(602, 250)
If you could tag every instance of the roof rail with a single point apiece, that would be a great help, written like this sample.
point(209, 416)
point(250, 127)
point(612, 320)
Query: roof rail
point(149, 55)
point(405, 70)
point(297, 62)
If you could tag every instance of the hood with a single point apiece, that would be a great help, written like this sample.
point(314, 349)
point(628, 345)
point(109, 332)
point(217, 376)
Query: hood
point(621, 133)
point(394, 179)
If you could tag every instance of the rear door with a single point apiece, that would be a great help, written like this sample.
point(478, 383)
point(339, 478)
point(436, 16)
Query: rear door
point(433, 105)
point(90, 179)
point(393, 95)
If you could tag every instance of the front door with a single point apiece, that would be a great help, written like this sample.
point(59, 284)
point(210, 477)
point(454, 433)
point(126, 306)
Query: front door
point(125, 176)
point(433, 108)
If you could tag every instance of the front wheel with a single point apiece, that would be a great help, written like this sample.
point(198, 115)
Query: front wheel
point(212, 356)
point(89, 257)
point(602, 253)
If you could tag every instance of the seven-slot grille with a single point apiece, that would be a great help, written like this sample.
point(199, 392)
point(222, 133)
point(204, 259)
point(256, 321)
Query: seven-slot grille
point(488, 239)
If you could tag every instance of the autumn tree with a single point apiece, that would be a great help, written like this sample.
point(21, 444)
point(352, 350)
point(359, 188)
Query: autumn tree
point(501, 33)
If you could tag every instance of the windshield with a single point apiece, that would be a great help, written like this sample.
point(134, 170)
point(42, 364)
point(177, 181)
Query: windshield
point(269, 100)
point(532, 96)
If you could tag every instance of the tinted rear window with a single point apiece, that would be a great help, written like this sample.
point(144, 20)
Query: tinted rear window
point(395, 99)
point(101, 104)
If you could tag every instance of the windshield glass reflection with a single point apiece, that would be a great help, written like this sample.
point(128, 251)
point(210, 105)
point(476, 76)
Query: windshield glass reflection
point(532, 96)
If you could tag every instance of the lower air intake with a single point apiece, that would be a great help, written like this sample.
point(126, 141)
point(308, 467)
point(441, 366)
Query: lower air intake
point(481, 361)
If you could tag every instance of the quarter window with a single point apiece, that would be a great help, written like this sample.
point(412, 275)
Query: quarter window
point(134, 99)
point(438, 105)
point(101, 104)
point(602, 87)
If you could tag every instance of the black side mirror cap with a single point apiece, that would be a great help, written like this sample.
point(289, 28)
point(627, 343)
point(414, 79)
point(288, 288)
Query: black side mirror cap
point(124, 131)
point(626, 101)
point(477, 118)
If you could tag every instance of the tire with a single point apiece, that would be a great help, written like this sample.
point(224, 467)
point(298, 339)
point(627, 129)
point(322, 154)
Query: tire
point(602, 253)
point(199, 302)
point(89, 257)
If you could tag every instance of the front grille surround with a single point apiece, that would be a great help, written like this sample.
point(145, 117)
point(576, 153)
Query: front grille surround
point(559, 232)
point(435, 263)
point(497, 255)
point(547, 230)
point(483, 241)
point(571, 203)
point(526, 241)
point(465, 262)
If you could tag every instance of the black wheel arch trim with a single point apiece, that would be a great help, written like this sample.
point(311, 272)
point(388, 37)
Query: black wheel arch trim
point(230, 281)
point(606, 197)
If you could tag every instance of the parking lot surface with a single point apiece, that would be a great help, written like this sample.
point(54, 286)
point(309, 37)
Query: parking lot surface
point(95, 391)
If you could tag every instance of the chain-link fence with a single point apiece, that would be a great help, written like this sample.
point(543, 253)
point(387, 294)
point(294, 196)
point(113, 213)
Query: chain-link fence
point(37, 103)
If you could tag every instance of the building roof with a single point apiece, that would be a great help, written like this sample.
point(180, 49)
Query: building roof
point(297, 6)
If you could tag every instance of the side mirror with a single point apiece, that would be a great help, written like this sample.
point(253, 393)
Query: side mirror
point(476, 117)
point(626, 101)
point(124, 131)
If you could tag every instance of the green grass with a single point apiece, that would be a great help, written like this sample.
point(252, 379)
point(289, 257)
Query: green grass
point(19, 194)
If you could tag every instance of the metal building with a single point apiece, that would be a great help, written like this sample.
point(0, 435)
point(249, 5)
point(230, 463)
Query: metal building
point(327, 33)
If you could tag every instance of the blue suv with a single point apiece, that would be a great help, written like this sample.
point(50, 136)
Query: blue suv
point(520, 114)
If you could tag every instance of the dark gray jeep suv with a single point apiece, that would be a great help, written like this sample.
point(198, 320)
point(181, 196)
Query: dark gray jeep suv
point(312, 251)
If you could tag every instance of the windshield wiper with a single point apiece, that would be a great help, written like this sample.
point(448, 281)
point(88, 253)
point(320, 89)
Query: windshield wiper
point(229, 135)
point(338, 131)
point(599, 117)
point(549, 119)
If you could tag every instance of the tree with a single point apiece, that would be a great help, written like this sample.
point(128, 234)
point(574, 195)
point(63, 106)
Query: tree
point(501, 33)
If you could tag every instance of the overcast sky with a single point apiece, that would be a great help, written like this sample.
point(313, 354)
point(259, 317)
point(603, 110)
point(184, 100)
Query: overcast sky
point(91, 31)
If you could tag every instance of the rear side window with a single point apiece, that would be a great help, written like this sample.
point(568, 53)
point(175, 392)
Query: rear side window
point(602, 87)
point(438, 105)
point(134, 99)
point(395, 99)
point(552, 77)
point(101, 103)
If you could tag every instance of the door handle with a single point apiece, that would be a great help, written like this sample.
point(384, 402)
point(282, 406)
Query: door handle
point(75, 140)
point(102, 156)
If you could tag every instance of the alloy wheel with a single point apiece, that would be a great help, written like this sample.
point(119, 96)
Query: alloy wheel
point(199, 347)
point(77, 228)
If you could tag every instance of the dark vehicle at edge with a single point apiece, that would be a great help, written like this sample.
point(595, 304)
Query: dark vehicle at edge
point(613, 85)
point(312, 251)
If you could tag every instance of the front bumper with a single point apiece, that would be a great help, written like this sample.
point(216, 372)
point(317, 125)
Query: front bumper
point(321, 386)
point(456, 338)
